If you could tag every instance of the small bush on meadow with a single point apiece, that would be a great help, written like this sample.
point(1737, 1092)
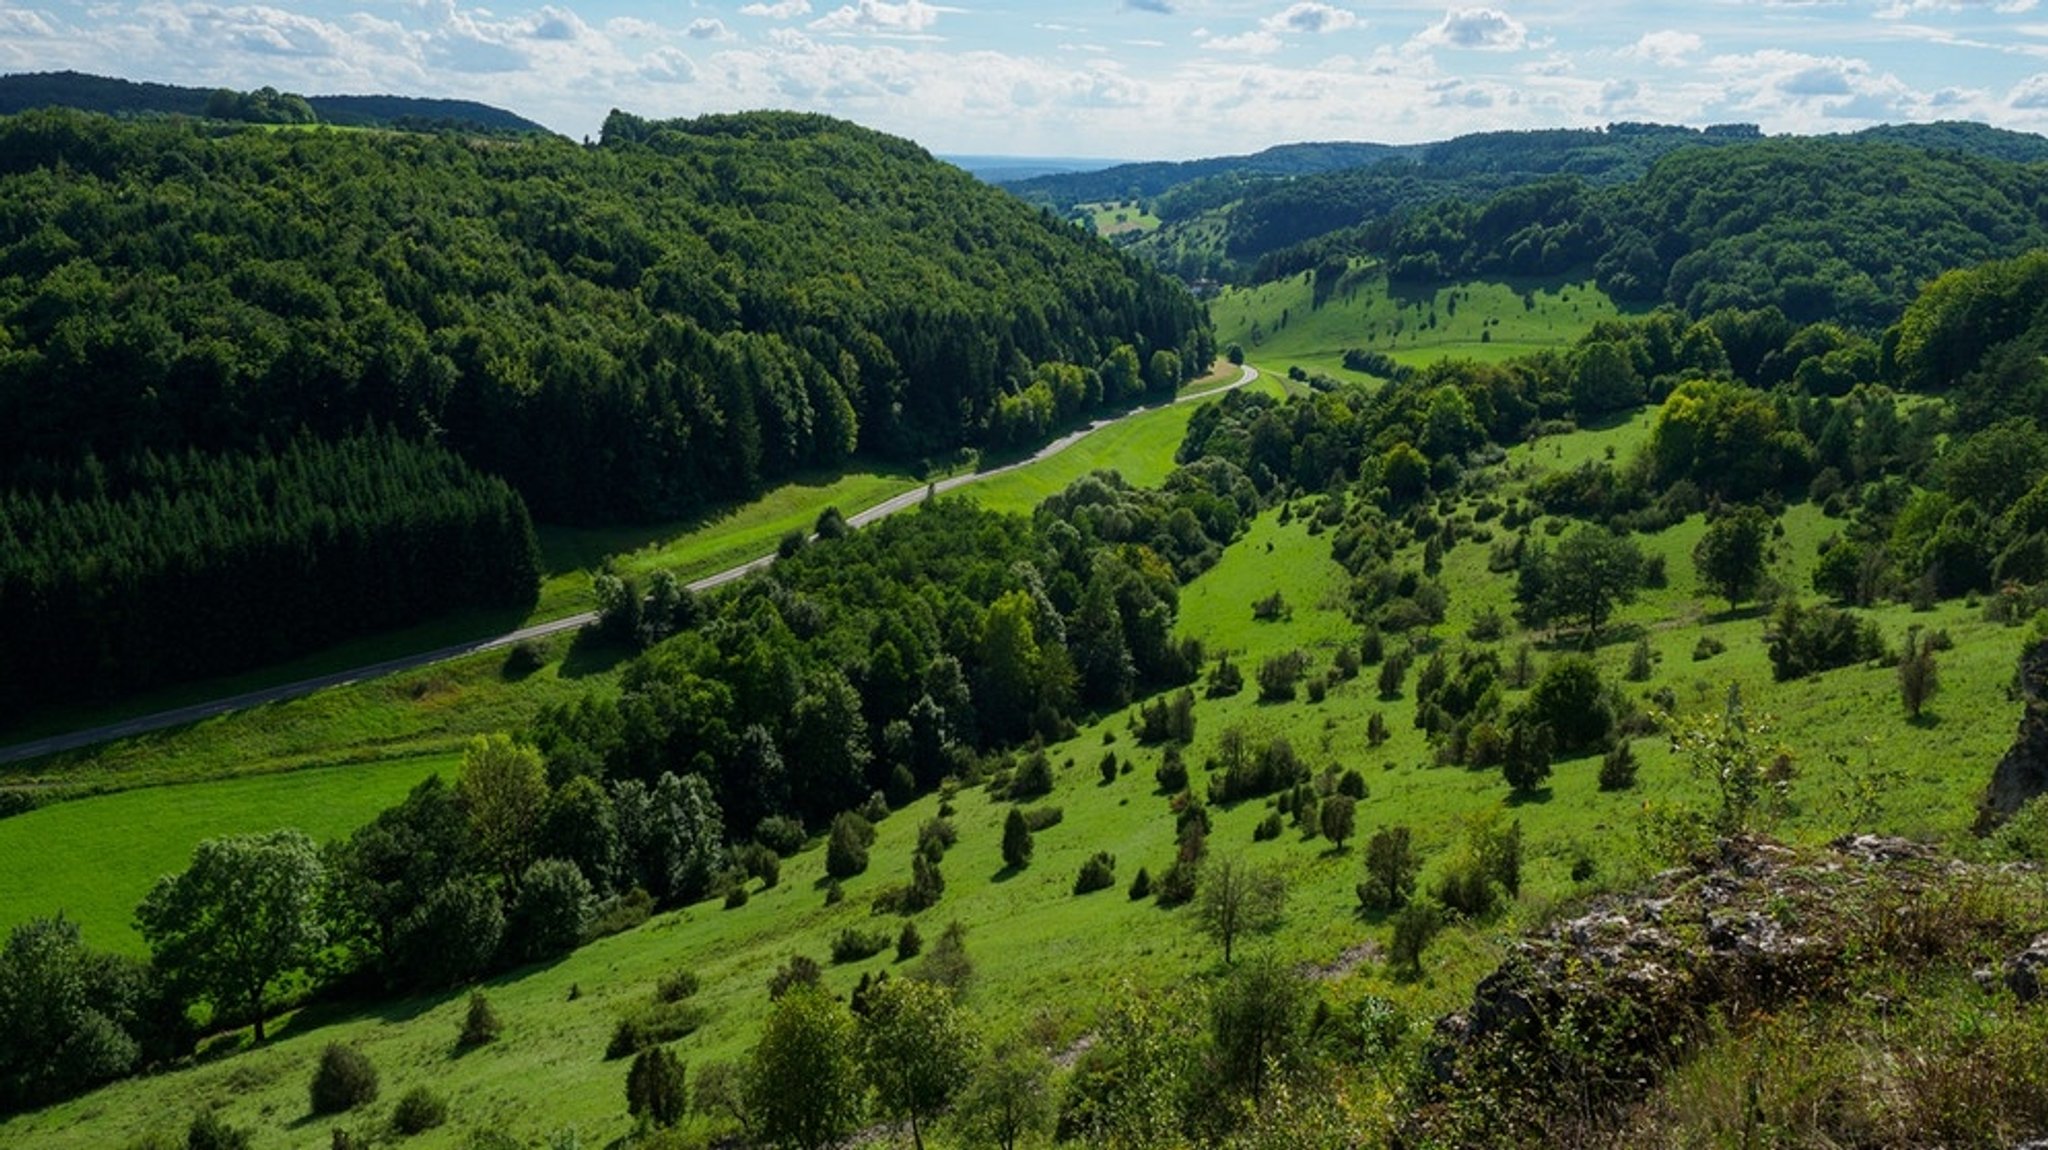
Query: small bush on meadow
point(343, 1080)
point(418, 1111)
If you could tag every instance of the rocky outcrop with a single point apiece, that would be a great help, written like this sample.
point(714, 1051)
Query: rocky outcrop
point(2026, 973)
point(2023, 772)
point(1605, 1000)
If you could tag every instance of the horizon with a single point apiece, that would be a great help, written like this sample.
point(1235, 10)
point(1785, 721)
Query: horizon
point(1131, 79)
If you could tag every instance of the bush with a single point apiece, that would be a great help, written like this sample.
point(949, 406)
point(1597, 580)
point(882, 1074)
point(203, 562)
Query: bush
point(480, 1025)
point(800, 970)
point(1107, 768)
point(1016, 840)
point(1141, 884)
point(653, 1025)
point(876, 808)
point(1172, 772)
point(1268, 829)
point(1618, 768)
point(1039, 818)
point(1707, 647)
point(1417, 923)
point(676, 985)
point(935, 837)
point(1572, 702)
point(1032, 778)
point(1225, 679)
point(846, 853)
point(908, 942)
point(853, 945)
point(343, 1080)
point(1806, 640)
point(655, 1089)
point(525, 658)
point(1098, 873)
point(736, 896)
point(1278, 676)
point(781, 834)
point(418, 1111)
point(209, 1131)
point(759, 861)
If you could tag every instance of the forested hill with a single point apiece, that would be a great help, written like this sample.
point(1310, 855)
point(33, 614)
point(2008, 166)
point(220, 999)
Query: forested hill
point(1065, 189)
point(673, 317)
point(87, 93)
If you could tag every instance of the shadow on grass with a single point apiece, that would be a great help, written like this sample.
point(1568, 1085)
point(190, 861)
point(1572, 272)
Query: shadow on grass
point(1535, 798)
point(1925, 721)
point(592, 653)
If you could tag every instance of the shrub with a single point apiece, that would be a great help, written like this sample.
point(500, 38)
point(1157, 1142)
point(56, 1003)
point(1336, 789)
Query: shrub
point(525, 658)
point(1141, 884)
point(908, 942)
point(1391, 866)
point(1707, 647)
point(800, 970)
point(343, 1080)
point(655, 1089)
point(1351, 784)
point(676, 985)
point(781, 834)
point(846, 853)
point(1269, 828)
point(736, 896)
point(1039, 818)
point(1271, 607)
point(209, 1131)
point(1278, 676)
point(1641, 662)
point(480, 1024)
point(1318, 689)
point(653, 1025)
point(1098, 873)
point(418, 1111)
point(1572, 702)
point(1805, 640)
point(1177, 885)
point(1618, 768)
point(1172, 772)
point(759, 861)
point(1225, 679)
point(1033, 778)
point(853, 944)
point(1016, 840)
point(936, 836)
point(1107, 768)
point(876, 808)
point(1417, 923)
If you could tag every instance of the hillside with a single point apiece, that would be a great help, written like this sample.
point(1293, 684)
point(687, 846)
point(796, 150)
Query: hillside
point(23, 91)
point(636, 330)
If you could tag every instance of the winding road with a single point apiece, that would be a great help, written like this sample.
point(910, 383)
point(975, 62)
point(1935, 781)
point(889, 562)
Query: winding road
point(143, 724)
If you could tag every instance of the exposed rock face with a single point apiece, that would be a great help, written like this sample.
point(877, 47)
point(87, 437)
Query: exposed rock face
point(1605, 1000)
point(2023, 772)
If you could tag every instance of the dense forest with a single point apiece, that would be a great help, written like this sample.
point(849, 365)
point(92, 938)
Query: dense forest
point(87, 93)
point(1623, 196)
point(633, 330)
point(156, 569)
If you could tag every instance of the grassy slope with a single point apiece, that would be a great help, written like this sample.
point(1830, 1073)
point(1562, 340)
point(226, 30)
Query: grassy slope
point(1493, 320)
point(1046, 959)
point(95, 858)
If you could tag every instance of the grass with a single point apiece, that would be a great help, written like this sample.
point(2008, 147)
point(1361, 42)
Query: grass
point(1281, 324)
point(94, 859)
point(1046, 960)
point(1115, 218)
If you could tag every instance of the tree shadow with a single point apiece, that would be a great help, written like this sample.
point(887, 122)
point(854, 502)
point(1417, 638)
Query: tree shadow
point(1536, 798)
point(1925, 721)
point(593, 653)
point(1736, 614)
point(1007, 873)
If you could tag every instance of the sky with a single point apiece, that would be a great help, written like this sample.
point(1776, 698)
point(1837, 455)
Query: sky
point(1124, 79)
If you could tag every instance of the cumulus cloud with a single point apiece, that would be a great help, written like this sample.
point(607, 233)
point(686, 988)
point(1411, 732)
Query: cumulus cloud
point(559, 24)
point(1900, 9)
point(708, 29)
point(909, 18)
point(781, 10)
point(1162, 7)
point(1258, 42)
point(668, 66)
point(1310, 18)
point(1476, 29)
point(1667, 48)
point(2030, 93)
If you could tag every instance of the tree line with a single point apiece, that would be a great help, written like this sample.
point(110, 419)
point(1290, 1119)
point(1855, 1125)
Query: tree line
point(160, 568)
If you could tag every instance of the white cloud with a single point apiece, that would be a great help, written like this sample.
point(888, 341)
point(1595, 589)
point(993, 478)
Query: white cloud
point(2030, 93)
point(19, 23)
point(1310, 18)
point(1477, 29)
point(1667, 48)
point(668, 66)
point(911, 17)
point(708, 29)
point(559, 24)
point(632, 28)
point(781, 10)
point(1900, 9)
point(1258, 42)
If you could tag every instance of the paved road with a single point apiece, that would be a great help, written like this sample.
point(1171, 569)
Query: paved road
point(142, 724)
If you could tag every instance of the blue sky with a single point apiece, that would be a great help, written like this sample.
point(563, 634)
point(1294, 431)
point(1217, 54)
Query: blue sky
point(1134, 79)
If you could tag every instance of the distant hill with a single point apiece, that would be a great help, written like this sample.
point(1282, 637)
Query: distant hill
point(115, 97)
point(1150, 179)
point(1010, 169)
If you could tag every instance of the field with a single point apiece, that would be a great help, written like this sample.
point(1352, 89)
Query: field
point(1116, 218)
point(1043, 956)
point(1281, 324)
point(1046, 961)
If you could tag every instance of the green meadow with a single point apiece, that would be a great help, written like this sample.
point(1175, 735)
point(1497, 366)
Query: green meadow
point(1282, 324)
